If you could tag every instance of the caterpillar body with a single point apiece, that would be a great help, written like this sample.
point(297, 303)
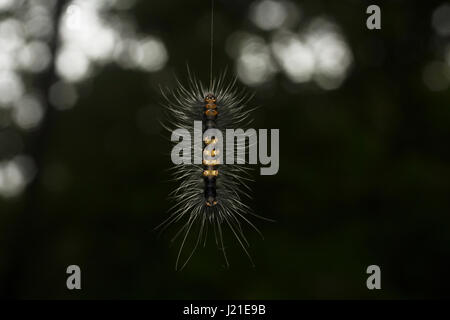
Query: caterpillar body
point(210, 171)
point(209, 195)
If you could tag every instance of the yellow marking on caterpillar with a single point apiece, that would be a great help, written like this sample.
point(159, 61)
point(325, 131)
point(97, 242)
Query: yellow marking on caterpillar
point(208, 140)
point(212, 162)
point(209, 204)
point(211, 173)
point(211, 112)
point(213, 152)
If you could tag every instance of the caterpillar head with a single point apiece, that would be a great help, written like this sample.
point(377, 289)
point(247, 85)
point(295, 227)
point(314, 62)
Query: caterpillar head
point(210, 98)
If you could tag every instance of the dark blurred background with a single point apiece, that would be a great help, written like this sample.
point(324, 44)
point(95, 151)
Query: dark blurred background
point(364, 119)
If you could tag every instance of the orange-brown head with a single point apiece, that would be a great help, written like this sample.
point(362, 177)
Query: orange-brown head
point(210, 98)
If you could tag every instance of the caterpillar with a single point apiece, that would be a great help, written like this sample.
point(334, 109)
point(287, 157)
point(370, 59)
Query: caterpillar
point(210, 194)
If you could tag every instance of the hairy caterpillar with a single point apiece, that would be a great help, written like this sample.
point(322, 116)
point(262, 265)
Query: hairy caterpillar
point(210, 195)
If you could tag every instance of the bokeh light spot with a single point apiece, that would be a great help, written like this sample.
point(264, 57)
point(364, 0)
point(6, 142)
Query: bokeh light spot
point(441, 20)
point(28, 112)
point(63, 95)
point(149, 54)
point(255, 64)
point(268, 14)
point(296, 59)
